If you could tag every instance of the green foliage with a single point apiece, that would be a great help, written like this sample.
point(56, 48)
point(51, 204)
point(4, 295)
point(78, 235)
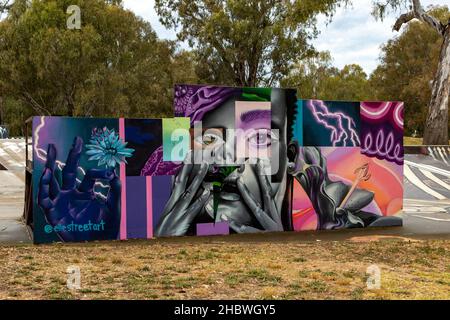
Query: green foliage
point(14, 115)
point(316, 78)
point(113, 66)
point(407, 68)
point(245, 42)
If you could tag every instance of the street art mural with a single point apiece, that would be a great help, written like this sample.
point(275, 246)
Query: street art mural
point(231, 160)
point(350, 172)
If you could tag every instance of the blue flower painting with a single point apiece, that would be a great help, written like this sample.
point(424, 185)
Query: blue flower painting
point(107, 148)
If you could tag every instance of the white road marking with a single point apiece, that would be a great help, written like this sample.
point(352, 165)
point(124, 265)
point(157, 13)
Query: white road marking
point(424, 209)
point(414, 179)
point(431, 218)
point(437, 170)
point(432, 153)
point(431, 176)
point(442, 155)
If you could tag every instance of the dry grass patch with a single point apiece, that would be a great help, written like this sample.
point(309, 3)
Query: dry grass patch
point(228, 270)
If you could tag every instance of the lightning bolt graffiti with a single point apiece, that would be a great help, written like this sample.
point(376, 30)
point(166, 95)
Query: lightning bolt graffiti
point(342, 127)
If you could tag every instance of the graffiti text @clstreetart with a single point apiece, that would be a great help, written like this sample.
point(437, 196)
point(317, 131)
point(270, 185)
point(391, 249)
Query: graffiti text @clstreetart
point(74, 227)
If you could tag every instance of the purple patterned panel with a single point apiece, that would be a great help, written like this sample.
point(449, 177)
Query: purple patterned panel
point(382, 130)
point(195, 101)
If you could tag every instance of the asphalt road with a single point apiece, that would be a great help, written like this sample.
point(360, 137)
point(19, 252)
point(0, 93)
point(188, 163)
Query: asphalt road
point(427, 191)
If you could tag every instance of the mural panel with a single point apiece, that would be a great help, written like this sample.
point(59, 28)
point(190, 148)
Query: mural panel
point(331, 123)
point(233, 160)
point(352, 176)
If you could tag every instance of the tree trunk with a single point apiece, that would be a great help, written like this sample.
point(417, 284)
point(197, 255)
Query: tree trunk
point(436, 126)
point(70, 109)
point(70, 105)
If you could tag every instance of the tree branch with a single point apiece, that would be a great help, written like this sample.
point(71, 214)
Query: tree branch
point(404, 18)
point(27, 98)
point(420, 14)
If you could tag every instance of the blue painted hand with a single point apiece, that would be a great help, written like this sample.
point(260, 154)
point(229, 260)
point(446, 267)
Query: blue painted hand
point(73, 209)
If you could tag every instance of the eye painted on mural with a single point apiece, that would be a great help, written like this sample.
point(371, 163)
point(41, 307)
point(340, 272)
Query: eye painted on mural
point(211, 138)
point(261, 138)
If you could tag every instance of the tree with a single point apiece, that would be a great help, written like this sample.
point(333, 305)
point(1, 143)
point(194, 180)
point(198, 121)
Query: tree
point(4, 5)
point(310, 74)
point(245, 42)
point(113, 66)
point(184, 68)
point(407, 67)
point(436, 125)
point(316, 77)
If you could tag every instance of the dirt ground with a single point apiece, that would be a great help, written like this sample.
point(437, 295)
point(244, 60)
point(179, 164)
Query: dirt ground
point(290, 266)
point(216, 269)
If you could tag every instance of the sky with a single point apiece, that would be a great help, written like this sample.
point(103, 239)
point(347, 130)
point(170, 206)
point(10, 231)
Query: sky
point(353, 36)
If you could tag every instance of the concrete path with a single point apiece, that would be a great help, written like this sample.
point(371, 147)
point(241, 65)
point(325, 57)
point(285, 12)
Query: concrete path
point(12, 191)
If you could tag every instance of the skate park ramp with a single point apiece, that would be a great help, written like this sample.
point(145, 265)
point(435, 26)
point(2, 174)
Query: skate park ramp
point(427, 189)
point(12, 154)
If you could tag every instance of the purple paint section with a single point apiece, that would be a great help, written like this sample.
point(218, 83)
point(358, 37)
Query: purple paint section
point(194, 101)
point(136, 208)
point(211, 229)
point(382, 130)
point(162, 188)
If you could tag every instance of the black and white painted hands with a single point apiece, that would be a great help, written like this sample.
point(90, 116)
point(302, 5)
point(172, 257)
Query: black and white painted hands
point(267, 213)
point(188, 200)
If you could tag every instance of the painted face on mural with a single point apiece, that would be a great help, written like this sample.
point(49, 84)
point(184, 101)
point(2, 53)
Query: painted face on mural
point(240, 198)
point(259, 123)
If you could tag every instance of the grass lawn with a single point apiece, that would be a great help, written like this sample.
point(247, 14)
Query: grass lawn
point(409, 141)
point(215, 269)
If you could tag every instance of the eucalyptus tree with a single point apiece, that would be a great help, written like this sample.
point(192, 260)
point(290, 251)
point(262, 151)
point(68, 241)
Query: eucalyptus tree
point(436, 125)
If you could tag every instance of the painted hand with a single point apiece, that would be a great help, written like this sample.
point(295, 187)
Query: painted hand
point(182, 209)
point(73, 210)
point(268, 215)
